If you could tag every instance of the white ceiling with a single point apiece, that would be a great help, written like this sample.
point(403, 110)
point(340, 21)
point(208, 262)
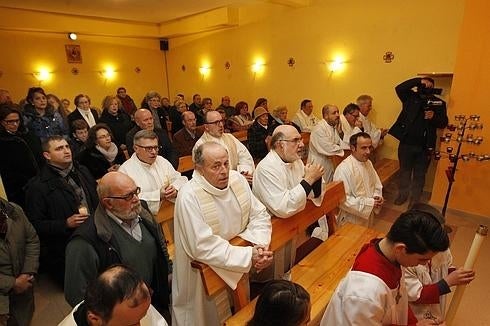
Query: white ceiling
point(150, 11)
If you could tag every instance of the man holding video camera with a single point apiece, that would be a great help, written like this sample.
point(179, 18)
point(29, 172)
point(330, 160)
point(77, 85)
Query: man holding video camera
point(416, 129)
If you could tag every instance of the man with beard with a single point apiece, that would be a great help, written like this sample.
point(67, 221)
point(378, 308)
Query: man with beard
point(120, 231)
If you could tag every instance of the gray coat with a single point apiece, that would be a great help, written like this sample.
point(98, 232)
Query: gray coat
point(22, 244)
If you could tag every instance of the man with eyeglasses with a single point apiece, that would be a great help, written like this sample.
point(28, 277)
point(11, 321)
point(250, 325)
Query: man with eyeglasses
point(239, 156)
point(121, 231)
point(59, 200)
point(155, 175)
point(215, 206)
point(326, 141)
point(351, 124)
point(144, 121)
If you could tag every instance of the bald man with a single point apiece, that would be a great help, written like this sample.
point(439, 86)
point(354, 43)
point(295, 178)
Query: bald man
point(120, 231)
point(144, 121)
point(186, 138)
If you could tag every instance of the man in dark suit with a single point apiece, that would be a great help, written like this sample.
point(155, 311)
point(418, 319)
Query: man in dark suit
point(186, 137)
point(144, 120)
point(83, 111)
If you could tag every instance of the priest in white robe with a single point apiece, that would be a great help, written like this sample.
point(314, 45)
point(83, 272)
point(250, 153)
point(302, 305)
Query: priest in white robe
point(305, 118)
point(155, 176)
point(350, 123)
point(239, 157)
point(363, 189)
point(325, 141)
point(211, 209)
point(365, 103)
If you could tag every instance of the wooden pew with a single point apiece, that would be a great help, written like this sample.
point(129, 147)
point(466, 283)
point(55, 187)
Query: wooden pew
point(185, 164)
point(283, 230)
point(165, 218)
point(321, 271)
point(386, 169)
point(241, 135)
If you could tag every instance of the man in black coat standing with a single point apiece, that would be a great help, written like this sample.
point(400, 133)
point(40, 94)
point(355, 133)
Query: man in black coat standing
point(416, 129)
point(58, 201)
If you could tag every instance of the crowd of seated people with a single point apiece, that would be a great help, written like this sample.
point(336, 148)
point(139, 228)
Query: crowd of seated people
point(57, 157)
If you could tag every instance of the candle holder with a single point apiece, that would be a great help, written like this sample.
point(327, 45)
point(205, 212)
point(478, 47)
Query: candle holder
point(463, 123)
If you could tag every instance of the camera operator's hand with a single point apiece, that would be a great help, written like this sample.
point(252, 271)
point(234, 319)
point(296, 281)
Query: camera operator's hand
point(427, 83)
point(428, 114)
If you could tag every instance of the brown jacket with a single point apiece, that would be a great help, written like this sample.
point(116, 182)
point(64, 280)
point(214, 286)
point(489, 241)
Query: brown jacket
point(183, 142)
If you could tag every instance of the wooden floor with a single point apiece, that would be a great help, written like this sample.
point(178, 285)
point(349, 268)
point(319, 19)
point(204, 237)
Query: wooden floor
point(51, 306)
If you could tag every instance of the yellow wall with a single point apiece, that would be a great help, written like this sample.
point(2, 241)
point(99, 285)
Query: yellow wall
point(422, 35)
point(469, 95)
point(24, 52)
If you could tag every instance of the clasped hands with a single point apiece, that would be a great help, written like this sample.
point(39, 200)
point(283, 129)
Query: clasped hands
point(168, 192)
point(262, 257)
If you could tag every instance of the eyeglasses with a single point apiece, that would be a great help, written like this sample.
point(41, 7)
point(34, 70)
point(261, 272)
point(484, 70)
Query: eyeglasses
point(217, 122)
point(149, 149)
point(294, 140)
point(12, 122)
point(104, 136)
point(129, 196)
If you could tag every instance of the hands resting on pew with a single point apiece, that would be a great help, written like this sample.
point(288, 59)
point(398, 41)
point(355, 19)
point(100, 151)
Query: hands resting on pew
point(261, 258)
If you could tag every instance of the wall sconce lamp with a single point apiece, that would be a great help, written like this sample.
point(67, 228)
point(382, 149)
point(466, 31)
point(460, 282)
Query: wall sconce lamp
point(72, 36)
point(108, 73)
point(258, 67)
point(204, 71)
point(42, 75)
point(336, 65)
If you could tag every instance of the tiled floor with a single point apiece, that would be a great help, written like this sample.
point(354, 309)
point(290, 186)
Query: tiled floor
point(51, 306)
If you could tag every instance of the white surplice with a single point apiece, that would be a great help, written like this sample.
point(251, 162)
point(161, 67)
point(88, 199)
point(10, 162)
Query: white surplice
point(371, 129)
point(194, 240)
point(361, 183)
point(305, 122)
point(348, 131)
point(324, 143)
point(240, 156)
point(151, 178)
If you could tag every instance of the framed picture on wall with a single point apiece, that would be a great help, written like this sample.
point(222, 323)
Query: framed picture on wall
point(73, 53)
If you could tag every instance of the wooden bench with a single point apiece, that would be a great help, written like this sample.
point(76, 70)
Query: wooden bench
point(283, 230)
point(241, 135)
point(386, 169)
point(165, 218)
point(185, 164)
point(321, 271)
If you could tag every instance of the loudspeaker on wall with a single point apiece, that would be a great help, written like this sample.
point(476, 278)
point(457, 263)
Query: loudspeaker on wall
point(164, 44)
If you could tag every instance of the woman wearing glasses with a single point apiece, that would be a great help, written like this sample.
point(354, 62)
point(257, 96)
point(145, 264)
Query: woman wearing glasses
point(21, 154)
point(101, 154)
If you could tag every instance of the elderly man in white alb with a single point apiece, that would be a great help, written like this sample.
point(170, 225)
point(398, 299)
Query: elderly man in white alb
point(350, 123)
point(363, 189)
point(215, 206)
point(305, 118)
point(326, 141)
point(365, 103)
point(155, 175)
point(239, 157)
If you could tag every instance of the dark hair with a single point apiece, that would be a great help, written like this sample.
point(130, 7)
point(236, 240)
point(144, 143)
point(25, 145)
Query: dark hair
point(353, 139)
point(7, 109)
point(46, 141)
point(281, 303)
point(78, 97)
point(120, 89)
point(92, 134)
point(194, 96)
point(239, 106)
point(304, 102)
point(420, 231)
point(33, 90)
point(260, 102)
point(79, 124)
point(351, 107)
point(116, 284)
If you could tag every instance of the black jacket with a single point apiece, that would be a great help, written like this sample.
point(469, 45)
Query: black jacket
point(256, 141)
point(19, 163)
point(410, 126)
point(50, 200)
point(166, 150)
point(119, 124)
point(75, 115)
point(96, 163)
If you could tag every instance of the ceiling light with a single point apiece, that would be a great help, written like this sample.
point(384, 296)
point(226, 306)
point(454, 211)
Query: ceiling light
point(72, 36)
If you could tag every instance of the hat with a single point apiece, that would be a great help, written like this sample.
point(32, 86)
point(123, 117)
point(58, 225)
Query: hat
point(259, 111)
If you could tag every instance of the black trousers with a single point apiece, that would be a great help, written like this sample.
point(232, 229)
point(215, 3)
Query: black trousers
point(414, 161)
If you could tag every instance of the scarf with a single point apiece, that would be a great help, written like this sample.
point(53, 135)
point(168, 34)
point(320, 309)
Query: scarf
point(109, 154)
point(70, 175)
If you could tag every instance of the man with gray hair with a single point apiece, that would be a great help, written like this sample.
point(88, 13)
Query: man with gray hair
point(120, 231)
point(365, 103)
point(215, 206)
point(155, 175)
